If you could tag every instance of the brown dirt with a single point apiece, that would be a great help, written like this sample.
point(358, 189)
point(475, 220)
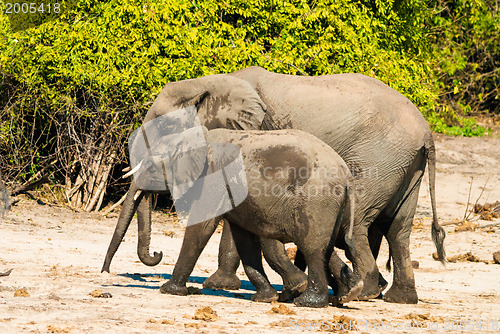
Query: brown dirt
point(205, 313)
point(467, 257)
point(21, 293)
point(291, 252)
point(281, 309)
point(496, 257)
point(56, 255)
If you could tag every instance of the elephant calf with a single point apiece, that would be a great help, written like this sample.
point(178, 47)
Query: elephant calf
point(296, 190)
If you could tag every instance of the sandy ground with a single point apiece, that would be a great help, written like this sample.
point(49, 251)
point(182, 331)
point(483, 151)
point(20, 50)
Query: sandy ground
point(56, 255)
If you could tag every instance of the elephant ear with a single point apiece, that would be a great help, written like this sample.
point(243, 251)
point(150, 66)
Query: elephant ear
point(230, 103)
point(222, 101)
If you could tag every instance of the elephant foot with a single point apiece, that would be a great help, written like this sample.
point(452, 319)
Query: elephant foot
point(401, 295)
point(174, 289)
point(310, 299)
point(351, 294)
point(372, 289)
point(265, 296)
point(382, 283)
point(289, 293)
point(222, 281)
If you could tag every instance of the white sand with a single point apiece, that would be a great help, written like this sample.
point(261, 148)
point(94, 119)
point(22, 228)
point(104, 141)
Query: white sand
point(56, 255)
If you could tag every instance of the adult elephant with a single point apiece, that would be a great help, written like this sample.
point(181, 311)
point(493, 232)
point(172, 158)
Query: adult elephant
point(378, 132)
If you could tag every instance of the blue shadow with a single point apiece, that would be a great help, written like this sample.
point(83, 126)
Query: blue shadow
point(156, 279)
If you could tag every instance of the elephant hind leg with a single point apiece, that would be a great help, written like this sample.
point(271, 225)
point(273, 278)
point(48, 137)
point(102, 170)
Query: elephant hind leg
point(317, 247)
point(398, 236)
point(249, 250)
point(316, 293)
point(346, 285)
point(294, 279)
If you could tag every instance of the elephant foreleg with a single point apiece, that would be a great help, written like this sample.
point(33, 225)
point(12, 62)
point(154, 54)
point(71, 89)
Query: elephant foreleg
point(229, 260)
point(195, 240)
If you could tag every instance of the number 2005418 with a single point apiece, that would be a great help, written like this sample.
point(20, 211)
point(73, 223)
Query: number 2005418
point(32, 8)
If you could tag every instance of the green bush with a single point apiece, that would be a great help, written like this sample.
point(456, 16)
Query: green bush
point(467, 50)
point(81, 81)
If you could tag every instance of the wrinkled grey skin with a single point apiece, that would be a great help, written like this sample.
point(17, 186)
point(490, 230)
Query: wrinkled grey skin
point(379, 133)
point(298, 191)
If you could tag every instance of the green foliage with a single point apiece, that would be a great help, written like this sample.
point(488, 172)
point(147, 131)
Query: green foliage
point(465, 42)
point(467, 126)
point(88, 75)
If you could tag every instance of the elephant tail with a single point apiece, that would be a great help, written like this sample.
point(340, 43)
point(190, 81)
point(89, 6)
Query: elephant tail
point(437, 232)
point(350, 198)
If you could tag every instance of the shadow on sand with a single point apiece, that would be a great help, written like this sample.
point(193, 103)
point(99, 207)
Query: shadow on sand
point(154, 281)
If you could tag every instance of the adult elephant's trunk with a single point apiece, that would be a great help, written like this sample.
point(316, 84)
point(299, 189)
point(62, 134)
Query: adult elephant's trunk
point(144, 224)
point(128, 209)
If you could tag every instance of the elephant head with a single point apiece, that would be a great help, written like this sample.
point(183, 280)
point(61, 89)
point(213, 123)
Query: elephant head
point(222, 101)
point(162, 162)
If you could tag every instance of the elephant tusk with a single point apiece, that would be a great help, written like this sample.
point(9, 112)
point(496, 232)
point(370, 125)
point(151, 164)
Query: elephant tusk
point(137, 194)
point(126, 169)
point(133, 170)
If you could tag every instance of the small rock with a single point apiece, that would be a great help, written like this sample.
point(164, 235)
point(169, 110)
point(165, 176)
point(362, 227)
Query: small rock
point(170, 234)
point(291, 252)
point(465, 226)
point(282, 309)
point(435, 256)
point(342, 319)
point(100, 294)
point(54, 329)
point(496, 257)
point(467, 257)
point(206, 314)
point(21, 293)
point(415, 264)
